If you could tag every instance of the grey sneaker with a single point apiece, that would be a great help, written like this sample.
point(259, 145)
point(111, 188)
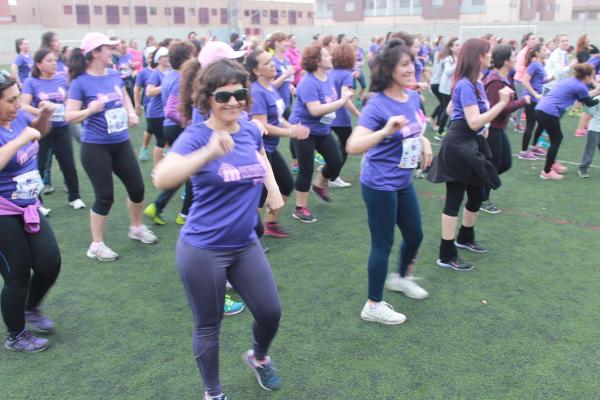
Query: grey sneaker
point(457, 264)
point(266, 374)
point(142, 233)
point(583, 173)
point(38, 322)
point(26, 342)
point(489, 207)
point(473, 246)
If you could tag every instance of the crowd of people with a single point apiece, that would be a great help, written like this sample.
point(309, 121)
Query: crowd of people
point(216, 113)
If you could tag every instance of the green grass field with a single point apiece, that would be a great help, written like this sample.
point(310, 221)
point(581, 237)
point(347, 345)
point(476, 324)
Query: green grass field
point(124, 328)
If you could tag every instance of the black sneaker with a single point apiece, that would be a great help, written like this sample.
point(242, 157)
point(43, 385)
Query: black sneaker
point(473, 246)
point(457, 264)
point(489, 207)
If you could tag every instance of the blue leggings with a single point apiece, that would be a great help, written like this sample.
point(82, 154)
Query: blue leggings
point(386, 210)
point(203, 273)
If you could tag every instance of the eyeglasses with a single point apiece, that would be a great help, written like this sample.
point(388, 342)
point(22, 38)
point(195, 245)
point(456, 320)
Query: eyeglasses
point(4, 76)
point(224, 97)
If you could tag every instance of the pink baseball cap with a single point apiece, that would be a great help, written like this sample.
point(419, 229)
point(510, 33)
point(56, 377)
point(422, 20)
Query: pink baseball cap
point(94, 40)
point(214, 51)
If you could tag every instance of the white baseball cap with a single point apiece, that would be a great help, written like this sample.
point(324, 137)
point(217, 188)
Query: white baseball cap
point(214, 51)
point(93, 40)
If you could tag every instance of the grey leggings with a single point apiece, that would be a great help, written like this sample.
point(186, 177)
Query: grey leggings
point(203, 273)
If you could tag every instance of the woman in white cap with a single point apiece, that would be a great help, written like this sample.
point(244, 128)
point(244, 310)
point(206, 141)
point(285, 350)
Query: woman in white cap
point(98, 99)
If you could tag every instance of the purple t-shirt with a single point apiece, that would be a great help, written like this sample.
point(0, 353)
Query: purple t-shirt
point(20, 180)
point(226, 191)
point(156, 108)
point(562, 96)
point(537, 75)
point(267, 102)
point(466, 94)
point(383, 166)
point(313, 89)
point(169, 88)
point(197, 117)
point(24, 64)
point(123, 66)
point(284, 89)
point(110, 125)
point(595, 62)
point(141, 80)
point(53, 90)
point(419, 67)
point(374, 48)
point(62, 70)
point(341, 78)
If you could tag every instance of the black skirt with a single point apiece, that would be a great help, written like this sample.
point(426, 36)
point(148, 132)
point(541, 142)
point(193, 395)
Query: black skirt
point(464, 157)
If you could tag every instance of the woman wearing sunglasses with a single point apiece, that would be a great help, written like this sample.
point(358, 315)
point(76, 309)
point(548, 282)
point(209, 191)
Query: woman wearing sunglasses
point(226, 162)
point(44, 84)
point(26, 240)
point(98, 99)
point(316, 105)
point(268, 107)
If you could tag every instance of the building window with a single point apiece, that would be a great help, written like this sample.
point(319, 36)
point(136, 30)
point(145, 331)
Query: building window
point(478, 2)
point(168, 11)
point(299, 14)
point(349, 6)
point(112, 15)
point(437, 3)
point(179, 13)
point(141, 15)
point(247, 31)
point(13, 18)
point(224, 16)
point(83, 14)
point(257, 31)
point(213, 12)
point(255, 17)
point(274, 17)
point(192, 12)
point(68, 10)
point(265, 13)
point(97, 10)
point(152, 10)
point(309, 14)
point(246, 14)
point(125, 10)
point(203, 17)
point(292, 17)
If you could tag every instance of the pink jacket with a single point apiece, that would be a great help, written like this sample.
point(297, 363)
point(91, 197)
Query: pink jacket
point(293, 54)
point(29, 213)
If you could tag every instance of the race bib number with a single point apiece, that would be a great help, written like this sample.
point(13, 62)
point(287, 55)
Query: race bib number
point(29, 186)
point(327, 119)
point(280, 104)
point(411, 153)
point(59, 113)
point(116, 120)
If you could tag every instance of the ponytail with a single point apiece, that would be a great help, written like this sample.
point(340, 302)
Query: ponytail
point(189, 73)
point(252, 62)
point(78, 63)
point(18, 45)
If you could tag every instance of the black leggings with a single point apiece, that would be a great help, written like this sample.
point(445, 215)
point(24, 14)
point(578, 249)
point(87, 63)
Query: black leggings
point(21, 252)
point(501, 153)
point(551, 125)
point(529, 126)
point(154, 126)
point(343, 133)
point(455, 193)
point(437, 113)
point(171, 133)
point(100, 161)
point(305, 150)
point(443, 114)
point(59, 140)
point(283, 177)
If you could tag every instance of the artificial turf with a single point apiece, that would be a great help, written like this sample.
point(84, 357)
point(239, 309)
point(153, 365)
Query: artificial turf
point(523, 325)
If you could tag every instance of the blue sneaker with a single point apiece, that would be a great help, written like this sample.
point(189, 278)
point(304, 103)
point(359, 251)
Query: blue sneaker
point(319, 158)
point(232, 307)
point(38, 322)
point(144, 154)
point(266, 374)
point(25, 342)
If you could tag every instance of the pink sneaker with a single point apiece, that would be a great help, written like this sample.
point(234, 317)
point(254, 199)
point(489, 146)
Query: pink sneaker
point(538, 151)
point(527, 155)
point(581, 132)
point(558, 167)
point(552, 175)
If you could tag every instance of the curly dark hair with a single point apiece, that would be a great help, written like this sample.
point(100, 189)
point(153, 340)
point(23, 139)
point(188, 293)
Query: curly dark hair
point(180, 52)
point(343, 57)
point(311, 57)
point(383, 67)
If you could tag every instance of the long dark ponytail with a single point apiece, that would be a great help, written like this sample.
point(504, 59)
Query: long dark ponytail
point(189, 73)
point(78, 63)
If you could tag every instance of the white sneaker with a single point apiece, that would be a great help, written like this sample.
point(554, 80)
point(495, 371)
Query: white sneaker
point(339, 183)
point(383, 313)
point(44, 211)
point(101, 252)
point(142, 233)
point(77, 204)
point(228, 285)
point(408, 286)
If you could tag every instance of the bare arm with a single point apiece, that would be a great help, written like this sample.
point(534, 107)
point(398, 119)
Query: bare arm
point(137, 97)
point(527, 85)
point(152, 90)
point(10, 148)
point(26, 104)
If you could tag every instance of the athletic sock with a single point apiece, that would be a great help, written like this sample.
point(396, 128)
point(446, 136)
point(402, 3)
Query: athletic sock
point(466, 235)
point(448, 250)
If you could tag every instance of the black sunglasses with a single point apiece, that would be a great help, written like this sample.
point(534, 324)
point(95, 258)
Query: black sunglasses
point(4, 76)
point(223, 97)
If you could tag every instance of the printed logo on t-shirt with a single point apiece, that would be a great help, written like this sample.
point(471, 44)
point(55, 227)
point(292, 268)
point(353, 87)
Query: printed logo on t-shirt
point(25, 154)
point(116, 96)
point(58, 96)
point(231, 173)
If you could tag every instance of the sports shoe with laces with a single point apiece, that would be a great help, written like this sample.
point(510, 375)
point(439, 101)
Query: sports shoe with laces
point(144, 154)
point(383, 313)
point(552, 175)
point(527, 155)
point(473, 246)
point(275, 230)
point(219, 397)
point(583, 173)
point(457, 264)
point(180, 220)
point(77, 204)
point(142, 233)
point(339, 182)
point(303, 214)
point(322, 193)
point(152, 212)
point(406, 285)
point(26, 342)
point(266, 374)
point(101, 252)
point(558, 167)
point(538, 151)
point(44, 211)
point(489, 207)
point(48, 189)
point(319, 159)
point(38, 322)
point(232, 307)
point(581, 132)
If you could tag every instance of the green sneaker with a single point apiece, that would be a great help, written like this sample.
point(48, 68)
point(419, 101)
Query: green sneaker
point(232, 307)
point(152, 213)
point(319, 159)
point(144, 155)
point(180, 220)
